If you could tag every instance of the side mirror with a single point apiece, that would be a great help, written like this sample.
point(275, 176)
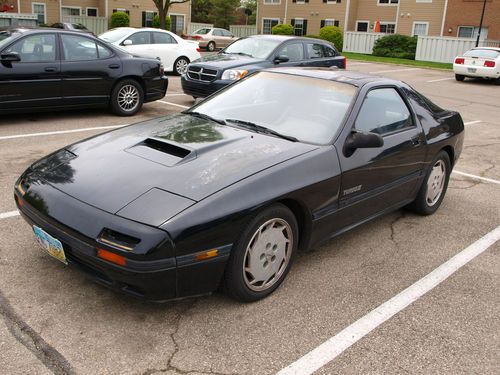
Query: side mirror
point(10, 57)
point(281, 59)
point(358, 139)
point(127, 42)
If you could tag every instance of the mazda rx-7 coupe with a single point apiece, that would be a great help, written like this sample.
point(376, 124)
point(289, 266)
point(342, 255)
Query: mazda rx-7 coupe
point(225, 193)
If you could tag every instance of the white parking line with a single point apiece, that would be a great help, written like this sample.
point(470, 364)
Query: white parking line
point(60, 132)
point(6, 215)
point(440, 79)
point(175, 105)
point(474, 177)
point(357, 63)
point(395, 70)
point(336, 345)
point(472, 122)
point(177, 94)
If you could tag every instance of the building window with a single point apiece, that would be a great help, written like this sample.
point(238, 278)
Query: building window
point(92, 12)
point(332, 1)
point(471, 32)
point(272, 2)
point(329, 22)
point(299, 26)
point(147, 18)
point(121, 10)
point(424, 1)
point(387, 28)
point(362, 26)
point(268, 23)
point(39, 10)
point(420, 28)
point(300, 1)
point(71, 11)
point(177, 23)
point(388, 2)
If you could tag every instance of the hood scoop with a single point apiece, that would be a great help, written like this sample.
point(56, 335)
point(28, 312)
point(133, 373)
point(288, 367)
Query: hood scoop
point(161, 152)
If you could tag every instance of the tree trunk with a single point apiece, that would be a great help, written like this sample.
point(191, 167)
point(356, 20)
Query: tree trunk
point(161, 14)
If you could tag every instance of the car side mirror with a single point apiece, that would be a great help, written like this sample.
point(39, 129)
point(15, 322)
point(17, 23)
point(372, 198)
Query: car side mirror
point(127, 42)
point(281, 59)
point(10, 57)
point(359, 139)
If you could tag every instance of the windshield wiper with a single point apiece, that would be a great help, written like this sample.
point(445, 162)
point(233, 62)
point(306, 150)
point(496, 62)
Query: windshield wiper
point(239, 53)
point(262, 129)
point(206, 117)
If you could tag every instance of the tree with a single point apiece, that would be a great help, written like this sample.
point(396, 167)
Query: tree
point(200, 10)
point(163, 6)
point(223, 12)
point(252, 6)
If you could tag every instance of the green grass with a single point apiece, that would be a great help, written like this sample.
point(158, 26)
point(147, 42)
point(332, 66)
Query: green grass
point(393, 60)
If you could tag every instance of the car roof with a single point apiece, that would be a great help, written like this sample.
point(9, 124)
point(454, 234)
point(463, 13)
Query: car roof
point(357, 79)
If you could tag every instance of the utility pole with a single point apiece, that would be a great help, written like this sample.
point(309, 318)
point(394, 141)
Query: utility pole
point(480, 24)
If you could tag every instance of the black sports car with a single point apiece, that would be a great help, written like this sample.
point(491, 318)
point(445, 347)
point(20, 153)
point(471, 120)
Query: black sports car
point(47, 69)
point(228, 191)
point(248, 55)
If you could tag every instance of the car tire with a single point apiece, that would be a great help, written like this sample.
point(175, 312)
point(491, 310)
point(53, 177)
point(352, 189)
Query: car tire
point(459, 77)
point(180, 65)
point(211, 46)
point(127, 97)
point(273, 235)
point(497, 81)
point(434, 186)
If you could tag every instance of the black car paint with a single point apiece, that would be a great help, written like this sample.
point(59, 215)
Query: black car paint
point(223, 61)
point(61, 84)
point(221, 200)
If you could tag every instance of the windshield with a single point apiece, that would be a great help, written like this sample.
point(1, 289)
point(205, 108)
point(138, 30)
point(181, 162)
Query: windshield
point(6, 37)
point(309, 109)
point(114, 35)
point(254, 47)
point(202, 31)
point(486, 53)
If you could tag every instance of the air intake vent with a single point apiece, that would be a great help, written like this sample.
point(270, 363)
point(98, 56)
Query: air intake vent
point(118, 240)
point(160, 151)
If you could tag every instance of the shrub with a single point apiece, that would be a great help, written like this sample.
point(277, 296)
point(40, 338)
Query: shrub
point(333, 34)
point(156, 22)
point(399, 46)
point(312, 36)
point(120, 19)
point(282, 29)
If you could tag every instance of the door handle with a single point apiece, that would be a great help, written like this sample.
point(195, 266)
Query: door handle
point(415, 141)
point(50, 69)
point(114, 66)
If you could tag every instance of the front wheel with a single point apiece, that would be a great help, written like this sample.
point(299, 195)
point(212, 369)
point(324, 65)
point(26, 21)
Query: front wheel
point(459, 77)
point(180, 65)
point(127, 98)
point(433, 189)
point(262, 256)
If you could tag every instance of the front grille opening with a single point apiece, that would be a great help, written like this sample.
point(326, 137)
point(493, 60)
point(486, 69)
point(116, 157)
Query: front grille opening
point(118, 240)
point(166, 148)
point(201, 74)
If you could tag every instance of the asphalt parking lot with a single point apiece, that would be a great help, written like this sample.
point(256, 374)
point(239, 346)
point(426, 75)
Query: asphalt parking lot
point(54, 320)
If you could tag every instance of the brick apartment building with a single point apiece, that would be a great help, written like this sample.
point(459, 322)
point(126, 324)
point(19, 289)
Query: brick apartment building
point(408, 17)
point(141, 12)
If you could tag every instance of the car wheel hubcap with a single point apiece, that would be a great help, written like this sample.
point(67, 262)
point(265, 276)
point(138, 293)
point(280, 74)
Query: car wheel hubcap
point(181, 66)
point(128, 98)
point(435, 183)
point(267, 254)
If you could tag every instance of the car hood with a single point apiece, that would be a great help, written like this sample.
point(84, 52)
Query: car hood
point(173, 161)
point(226, 61)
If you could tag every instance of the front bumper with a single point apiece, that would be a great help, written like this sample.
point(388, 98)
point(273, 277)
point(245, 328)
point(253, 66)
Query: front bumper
point(200, 89)
point(477, 71)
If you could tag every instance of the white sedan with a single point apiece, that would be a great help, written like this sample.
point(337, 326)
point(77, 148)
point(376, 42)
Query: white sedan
point(479, 62)
point(174, 52)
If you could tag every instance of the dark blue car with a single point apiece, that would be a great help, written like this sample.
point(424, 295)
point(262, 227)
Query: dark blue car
point(247, 55)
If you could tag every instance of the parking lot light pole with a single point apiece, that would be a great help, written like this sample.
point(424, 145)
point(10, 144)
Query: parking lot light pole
point(480, 24)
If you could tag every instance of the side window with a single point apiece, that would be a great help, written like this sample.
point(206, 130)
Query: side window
point(103, 52)
point(329, 51)
point(163, 38)
point(315, 50)
point(294, 51)
point(35, 48)
point(383, 111)
point(217, 32)
point(226, 33)
point(140, 38)
point(78, 48)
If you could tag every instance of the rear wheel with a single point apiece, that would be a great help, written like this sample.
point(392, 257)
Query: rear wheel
point(127, 97)
point(262, 256)
point(459, 77)
point(180, 65)
point(433, 189)
point(211, 46)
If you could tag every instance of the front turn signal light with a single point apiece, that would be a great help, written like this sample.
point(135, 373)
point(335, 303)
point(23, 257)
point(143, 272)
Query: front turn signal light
point(207, 254)
point(112, 257)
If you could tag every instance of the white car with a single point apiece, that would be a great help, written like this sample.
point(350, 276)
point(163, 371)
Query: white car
point(479, 62)
point(174, 52)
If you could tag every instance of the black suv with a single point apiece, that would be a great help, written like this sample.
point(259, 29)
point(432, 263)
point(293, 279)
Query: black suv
point(247, 55)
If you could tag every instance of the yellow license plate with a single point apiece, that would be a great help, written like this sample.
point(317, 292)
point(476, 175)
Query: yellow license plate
point(52, 245)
